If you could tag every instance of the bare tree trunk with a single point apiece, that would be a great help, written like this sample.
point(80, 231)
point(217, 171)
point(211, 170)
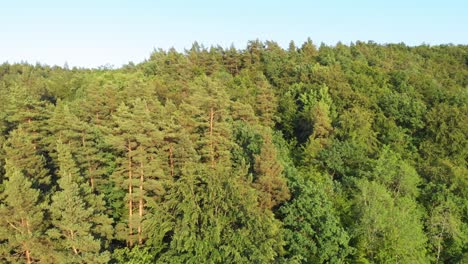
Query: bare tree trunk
point(27, 254)
point(140, 209)
point(439, 249)
point(130, 198)
point(72, 235)
point(439, 244)
point(171, 160)
point(211, 137)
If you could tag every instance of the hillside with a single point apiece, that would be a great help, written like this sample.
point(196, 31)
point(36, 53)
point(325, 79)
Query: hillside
point(312, 154)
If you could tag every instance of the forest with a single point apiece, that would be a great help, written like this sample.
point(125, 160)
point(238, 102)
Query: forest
point(351, 153)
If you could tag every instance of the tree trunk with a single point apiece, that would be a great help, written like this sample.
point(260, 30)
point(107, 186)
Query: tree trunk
point(171, 160)
point(211, 137)
point(439, 244)
point(130, 198)
point(439, 249)
point(140, 209)
point(27, 254)
point(90, 170)
point(72, 236)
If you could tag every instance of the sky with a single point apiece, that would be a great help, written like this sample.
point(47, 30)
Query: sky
point(94, 33)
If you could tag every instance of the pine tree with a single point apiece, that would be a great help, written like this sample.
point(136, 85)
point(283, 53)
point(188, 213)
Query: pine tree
point(253, 54)
point(140, 170)
point(85, 141)
point(75, 219)
point(309, 51)
point(211, 212)
point(266, 103)
point(208, 120)
point(231, 60)
point(268, 175)
point(22, 153)
point(211, 215)
point(27, 110)
point(21, 220)
point(100, 100)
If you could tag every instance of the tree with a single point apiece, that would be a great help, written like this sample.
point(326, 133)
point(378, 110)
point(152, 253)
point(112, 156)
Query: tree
point(139, 144)
point(100, 98)
point(26, 109)
point(312, 228)
point(22, 220)
point(78, 224)
point(330, 153)
point(356, 126)
point(208, 120)
point(309, 51)
point(445, 224)
point(22, 153)
point(319, 115)
point(85, 141)
point(231, 60)
point(266, 103)
point(400, 178)
point(388, 229)
point(268, 177)
point(211, 215)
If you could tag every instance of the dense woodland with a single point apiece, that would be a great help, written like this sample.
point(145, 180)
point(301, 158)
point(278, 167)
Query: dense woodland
point(311, 154)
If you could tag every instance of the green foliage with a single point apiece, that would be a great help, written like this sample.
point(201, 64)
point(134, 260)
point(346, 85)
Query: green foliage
point(135, 255)
point(400, 178)
point(22, 153)
point(22, 221)
point(269, 178)
point(312, 227)
point(388, 229)
point(310, 154)
point(77, 221)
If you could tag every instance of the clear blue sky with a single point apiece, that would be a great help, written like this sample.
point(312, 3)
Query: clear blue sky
point(91, 33)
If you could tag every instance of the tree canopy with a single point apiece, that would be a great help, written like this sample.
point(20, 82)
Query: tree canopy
point(311, 154)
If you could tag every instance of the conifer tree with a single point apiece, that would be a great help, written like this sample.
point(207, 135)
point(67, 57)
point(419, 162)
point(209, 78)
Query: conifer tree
point(21, 220)
point(140, 169)
point(266, 105)
point(22, 153)
point(25, 109)
point(209, 121)
point(2, 163)
point(309, 51)
point(100, 100)
point(77, 223)
point(269, 179)
point(231, 60)
point(85, 141)
point(210, 215)
point(253, 54)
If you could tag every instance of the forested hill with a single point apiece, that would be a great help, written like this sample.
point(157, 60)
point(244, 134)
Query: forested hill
point(329, 154)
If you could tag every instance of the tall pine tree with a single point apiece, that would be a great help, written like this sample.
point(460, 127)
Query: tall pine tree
point(78, 224)
point(22, 225)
